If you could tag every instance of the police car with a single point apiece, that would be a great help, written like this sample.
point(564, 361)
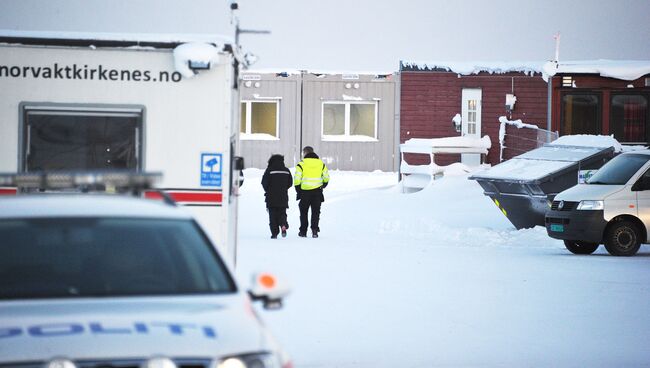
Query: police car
point(96, 280)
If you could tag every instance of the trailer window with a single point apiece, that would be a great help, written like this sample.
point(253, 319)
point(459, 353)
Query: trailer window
point(629, 118)
point(259, 120)
point(81, 140)
point(581, 113)
point(349, 121)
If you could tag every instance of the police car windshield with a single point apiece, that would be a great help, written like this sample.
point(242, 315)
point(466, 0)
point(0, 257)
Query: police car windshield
point(619, 170)
point(100, 257)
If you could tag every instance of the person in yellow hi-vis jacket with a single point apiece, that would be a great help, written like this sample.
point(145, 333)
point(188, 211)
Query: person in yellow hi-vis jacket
point(310, 179)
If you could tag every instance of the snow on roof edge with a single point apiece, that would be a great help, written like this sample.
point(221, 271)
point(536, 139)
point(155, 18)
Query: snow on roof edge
point(617, 69)
point(468, 68)
point(125, 37)
point(293, 71)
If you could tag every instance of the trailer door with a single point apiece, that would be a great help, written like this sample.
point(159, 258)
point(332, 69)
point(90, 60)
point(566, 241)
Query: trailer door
point(60, 138)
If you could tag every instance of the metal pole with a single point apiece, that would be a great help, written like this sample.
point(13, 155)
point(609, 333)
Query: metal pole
point(549, 103)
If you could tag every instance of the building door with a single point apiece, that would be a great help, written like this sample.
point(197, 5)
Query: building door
point(471, 125)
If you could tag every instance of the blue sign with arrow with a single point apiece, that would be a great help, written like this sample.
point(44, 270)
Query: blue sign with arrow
point(211, 169)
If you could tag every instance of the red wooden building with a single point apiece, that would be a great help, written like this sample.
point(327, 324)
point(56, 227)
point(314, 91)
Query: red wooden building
point(601, 97)
point(432, 94)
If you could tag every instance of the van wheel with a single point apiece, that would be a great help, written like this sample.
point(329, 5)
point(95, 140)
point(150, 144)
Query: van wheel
point(580, 247)
point(623, 238)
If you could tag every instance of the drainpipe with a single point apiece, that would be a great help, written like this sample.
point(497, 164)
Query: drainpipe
point(549, 109)
point(548, 103)
point(397, 118)
point(302, 98)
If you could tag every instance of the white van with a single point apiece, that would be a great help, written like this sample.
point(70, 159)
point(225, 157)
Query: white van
point(611, 208)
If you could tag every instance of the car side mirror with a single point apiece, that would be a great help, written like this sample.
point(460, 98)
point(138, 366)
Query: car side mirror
point(269, 289)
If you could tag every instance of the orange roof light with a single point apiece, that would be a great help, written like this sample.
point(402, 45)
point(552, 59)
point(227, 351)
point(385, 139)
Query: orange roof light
point(267, 280)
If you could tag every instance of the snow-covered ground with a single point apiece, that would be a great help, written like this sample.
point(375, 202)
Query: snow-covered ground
point(440, 278)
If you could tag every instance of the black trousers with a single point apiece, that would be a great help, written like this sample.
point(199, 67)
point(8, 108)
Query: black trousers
point(310, 199)
point(277, 218)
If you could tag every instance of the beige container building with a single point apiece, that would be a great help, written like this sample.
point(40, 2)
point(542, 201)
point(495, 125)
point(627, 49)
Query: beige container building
point(349, 118)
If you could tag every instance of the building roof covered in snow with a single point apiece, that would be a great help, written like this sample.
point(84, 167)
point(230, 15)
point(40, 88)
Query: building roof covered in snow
point(618, 69)
point(476, 67)
point(291, 71)
point(155, 40)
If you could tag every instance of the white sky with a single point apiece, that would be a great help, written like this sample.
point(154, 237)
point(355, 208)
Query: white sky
point(368, 34)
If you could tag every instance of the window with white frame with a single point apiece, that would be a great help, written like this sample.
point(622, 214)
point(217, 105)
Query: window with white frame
point(349, 120)
point(260, 119)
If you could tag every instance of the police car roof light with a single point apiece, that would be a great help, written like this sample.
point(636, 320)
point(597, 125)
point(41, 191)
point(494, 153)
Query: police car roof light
point(127, 180)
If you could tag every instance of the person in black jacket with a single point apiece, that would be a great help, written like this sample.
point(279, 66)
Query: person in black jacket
point(276, 181)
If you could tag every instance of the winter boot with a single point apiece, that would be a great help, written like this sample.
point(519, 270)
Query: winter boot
point(314, 234)
point(284, 231)
point(302, 235)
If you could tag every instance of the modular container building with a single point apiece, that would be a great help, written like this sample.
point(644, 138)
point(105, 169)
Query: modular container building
point(433, 93)
point(270, 116)
point(349, 118)
point(608, 97)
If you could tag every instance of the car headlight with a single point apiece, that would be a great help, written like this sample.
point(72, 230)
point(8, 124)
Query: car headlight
point(255, 360)
point(591, 205)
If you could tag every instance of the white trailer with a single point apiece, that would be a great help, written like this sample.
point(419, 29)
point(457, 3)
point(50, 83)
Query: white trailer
point(94, 102)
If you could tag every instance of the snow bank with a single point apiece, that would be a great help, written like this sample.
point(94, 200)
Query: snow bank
point(619, 69)
point(203, 54)
point(420, 280)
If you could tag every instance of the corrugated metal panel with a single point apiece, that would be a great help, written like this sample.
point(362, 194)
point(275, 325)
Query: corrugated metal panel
point(345, 155)
point(257, 152)
point(341, 155)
